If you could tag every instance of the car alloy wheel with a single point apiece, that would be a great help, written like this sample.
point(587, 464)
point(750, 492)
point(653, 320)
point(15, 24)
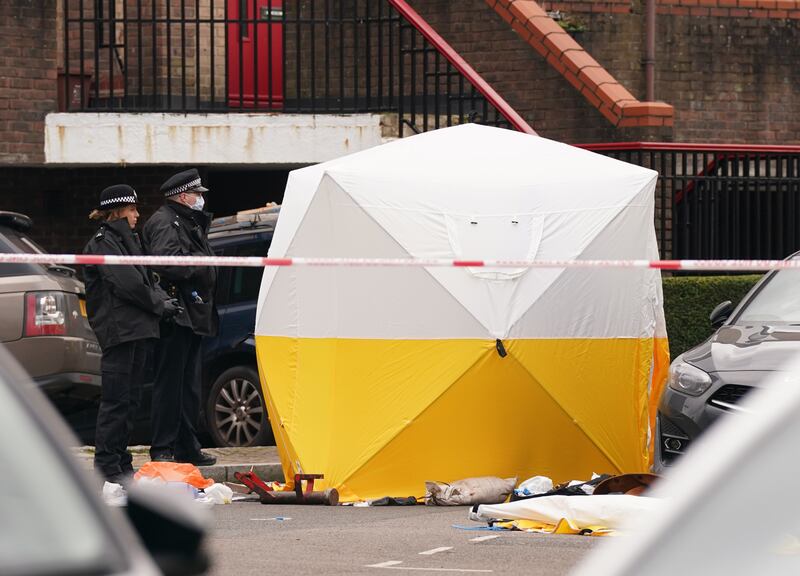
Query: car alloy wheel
point(238, 417)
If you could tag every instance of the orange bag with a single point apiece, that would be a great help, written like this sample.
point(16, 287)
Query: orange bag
point(175, 472)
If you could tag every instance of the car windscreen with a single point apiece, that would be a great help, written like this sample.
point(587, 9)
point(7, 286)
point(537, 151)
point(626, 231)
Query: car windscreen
point(47, 524)
point(776, 302)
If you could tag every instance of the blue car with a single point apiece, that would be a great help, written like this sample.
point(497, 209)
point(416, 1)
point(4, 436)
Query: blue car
point(234, 410)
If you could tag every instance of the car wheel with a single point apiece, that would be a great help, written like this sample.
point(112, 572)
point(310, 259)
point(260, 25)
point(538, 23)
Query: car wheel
point(236, 414)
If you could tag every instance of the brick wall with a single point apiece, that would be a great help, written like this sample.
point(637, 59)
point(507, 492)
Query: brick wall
point(730, 79)
point(27, 77)
point(725, 8)
point(528, 83)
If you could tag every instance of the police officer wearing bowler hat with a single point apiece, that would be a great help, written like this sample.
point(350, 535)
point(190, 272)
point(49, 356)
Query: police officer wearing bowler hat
point(180, 228)
point(124, 306)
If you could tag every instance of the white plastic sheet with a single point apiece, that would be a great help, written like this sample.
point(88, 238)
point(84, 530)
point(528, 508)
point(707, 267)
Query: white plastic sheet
point(609, 510)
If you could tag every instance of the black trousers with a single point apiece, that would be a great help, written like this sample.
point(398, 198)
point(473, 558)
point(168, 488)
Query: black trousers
point(176, 392)
point(122, 367)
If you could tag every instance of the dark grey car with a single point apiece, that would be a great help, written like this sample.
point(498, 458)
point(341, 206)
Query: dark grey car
point(752, 341)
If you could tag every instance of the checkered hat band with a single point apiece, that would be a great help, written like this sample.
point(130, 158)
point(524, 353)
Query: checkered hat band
point(119, 200)
point(183, 187)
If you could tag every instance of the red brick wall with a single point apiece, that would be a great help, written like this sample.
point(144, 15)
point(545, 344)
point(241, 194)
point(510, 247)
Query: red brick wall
point(725, 8)
point(730, 79)
point(27, 77)
point(535, 89)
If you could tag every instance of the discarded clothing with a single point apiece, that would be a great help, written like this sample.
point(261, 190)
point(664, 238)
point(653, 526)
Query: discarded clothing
point(572, 488)
point(394, 501)
point(175, 472)
point(481, 490)
point(633, 484)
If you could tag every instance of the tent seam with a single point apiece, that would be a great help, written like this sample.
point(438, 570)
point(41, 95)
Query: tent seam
point(567, 414)
point(410, 422)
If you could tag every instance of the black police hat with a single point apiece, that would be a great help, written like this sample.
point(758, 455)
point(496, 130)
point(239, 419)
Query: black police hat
point(186, 181)
point(116, 196)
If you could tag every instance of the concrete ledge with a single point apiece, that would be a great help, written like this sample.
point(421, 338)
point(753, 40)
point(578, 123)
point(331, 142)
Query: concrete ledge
point(232, 139)
point(260, 459)
point(268, 472)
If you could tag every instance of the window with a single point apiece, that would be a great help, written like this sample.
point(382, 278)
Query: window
point(776, 302)
point(246, 282)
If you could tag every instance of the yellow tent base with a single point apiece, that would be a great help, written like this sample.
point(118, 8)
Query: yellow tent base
point(380, 417)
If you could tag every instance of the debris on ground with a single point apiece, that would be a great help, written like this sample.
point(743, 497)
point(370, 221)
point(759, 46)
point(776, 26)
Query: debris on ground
point(481, 490)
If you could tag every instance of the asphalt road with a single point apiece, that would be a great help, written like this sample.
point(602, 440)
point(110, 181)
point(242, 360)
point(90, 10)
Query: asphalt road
point(250, 538)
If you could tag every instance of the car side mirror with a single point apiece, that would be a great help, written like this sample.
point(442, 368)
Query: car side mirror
point(720, 314)
point(171, 529)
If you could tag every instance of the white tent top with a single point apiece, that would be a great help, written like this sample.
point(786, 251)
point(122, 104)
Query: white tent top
point(474, 192)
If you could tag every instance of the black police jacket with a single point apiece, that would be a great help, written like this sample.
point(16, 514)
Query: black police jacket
point(177, 230)
point(123, 302)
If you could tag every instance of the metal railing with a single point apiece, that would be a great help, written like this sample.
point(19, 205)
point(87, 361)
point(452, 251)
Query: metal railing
point(289, 56)
point(718, 201)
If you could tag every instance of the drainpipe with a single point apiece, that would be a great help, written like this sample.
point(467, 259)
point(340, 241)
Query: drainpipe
point(650, 50)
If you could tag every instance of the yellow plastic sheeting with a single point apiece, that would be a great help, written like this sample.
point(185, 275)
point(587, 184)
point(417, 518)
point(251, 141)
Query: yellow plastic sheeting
point(660, 371)
point(379, 417)
point(564, 526)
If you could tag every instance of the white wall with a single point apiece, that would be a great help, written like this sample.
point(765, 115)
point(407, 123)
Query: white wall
point(263, 139)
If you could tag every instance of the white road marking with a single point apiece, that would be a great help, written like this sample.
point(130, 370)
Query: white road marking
point(276, 518)
point(436, 550)
point(393, 565)
point(484, 538)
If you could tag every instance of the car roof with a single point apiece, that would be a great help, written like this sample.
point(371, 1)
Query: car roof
point(244, 222)
point(15, 221)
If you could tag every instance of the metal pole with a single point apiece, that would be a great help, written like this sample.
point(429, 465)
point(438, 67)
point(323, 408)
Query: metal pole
point(650, 50)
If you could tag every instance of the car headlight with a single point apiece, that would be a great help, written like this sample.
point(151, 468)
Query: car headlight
point(686, 378)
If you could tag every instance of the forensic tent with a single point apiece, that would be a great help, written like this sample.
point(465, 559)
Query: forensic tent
point(382, 378)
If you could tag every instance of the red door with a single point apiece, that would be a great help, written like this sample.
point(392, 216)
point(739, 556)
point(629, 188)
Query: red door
point(255, 53)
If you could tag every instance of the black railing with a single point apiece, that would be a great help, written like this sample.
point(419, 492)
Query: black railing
point(721, 201)
point(289, 56)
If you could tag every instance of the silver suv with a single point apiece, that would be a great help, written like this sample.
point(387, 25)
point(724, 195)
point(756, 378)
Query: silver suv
point(43, 323)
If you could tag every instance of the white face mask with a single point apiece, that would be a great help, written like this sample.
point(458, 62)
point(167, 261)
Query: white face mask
point(198, 203)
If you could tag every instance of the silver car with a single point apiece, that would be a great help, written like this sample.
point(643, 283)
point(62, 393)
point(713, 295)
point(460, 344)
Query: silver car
point(752, 341)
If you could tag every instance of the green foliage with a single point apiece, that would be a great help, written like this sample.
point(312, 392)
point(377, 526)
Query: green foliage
point(688, 300)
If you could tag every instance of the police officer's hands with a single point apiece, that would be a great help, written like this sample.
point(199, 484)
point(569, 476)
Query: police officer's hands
point(172, 308)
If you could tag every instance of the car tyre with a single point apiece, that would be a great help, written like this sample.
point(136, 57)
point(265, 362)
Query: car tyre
point(235, 411)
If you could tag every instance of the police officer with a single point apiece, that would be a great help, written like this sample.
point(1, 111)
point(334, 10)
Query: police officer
point(124, 306)
point(180, 228)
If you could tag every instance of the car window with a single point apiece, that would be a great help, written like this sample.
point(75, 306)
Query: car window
point(25, 244)
point(246, 282)
point(47, 524)
point(776, 302)
point(223, 276)
point(10, 243)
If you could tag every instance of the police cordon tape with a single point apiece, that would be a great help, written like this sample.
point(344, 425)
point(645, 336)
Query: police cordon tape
point(260, 262)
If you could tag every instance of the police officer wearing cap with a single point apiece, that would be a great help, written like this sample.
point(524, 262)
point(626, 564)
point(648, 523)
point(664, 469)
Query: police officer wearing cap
point(124, 306)
point(180, 228)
